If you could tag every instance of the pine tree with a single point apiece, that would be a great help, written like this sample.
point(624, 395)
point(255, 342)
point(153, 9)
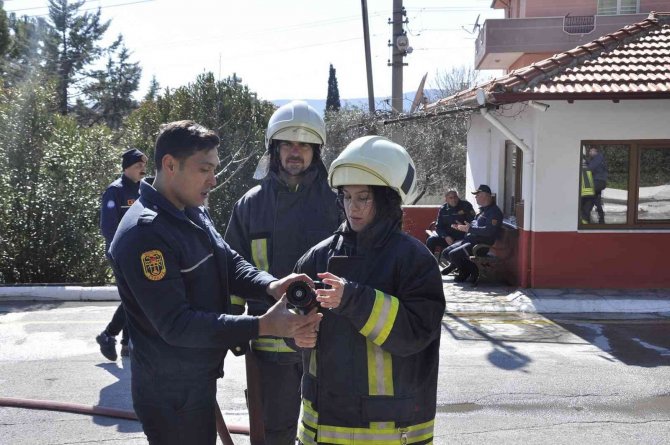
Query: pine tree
point(108, 98)
point(154, 89)
point(333, 99)
point(74, 46)
point(4, 31)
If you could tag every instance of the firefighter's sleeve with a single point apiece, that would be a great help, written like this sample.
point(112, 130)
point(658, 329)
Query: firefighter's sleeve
point(110, 214)
point(403, 322)
point(237, 237)
point(247, 281)
point(151, 270)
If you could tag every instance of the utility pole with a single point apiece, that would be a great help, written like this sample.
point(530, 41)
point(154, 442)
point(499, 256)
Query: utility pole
point(400, 48)
point(368, 58)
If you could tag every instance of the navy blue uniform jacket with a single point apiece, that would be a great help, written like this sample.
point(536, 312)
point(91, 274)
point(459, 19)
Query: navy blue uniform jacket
point(116, 201)
point(175, 275)
point(486, 227)
point(459, 214)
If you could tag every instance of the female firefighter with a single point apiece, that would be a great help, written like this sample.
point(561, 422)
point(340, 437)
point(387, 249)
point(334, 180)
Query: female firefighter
point(372, 378)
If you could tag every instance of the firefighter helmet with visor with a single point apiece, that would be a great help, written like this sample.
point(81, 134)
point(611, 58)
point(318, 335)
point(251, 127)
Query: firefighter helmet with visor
point(375, 160)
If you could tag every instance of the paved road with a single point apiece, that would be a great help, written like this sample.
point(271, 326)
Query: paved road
point(504, 378)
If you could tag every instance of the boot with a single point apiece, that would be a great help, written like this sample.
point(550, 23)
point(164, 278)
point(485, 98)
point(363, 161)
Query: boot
point(449, 269)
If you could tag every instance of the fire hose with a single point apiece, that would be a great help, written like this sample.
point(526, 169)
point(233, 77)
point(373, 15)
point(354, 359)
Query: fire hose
point(223, 430)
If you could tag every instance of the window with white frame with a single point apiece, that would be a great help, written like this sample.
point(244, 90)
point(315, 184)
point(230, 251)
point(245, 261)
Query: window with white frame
point(614, 7)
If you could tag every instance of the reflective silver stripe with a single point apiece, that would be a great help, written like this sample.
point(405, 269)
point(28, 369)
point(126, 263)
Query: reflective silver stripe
point(380, 371)
point(382, 317)
point(197, 264)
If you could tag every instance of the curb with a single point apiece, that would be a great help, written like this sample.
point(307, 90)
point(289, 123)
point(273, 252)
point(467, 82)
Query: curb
point(59, 293)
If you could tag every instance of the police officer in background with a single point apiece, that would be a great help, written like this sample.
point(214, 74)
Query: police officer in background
point(175, 275)
point(453, 211)
point(271, 226)
point(116, 200)
point(484, 229)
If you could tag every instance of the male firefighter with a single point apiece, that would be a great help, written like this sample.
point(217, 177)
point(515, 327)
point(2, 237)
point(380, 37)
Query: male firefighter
point(116, 201)
point(271, 226)
point(175, 275)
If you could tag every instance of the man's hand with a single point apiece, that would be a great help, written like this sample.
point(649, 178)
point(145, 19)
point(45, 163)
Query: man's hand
point(306, 337)
point(278, 288)
point(462, 227)
point(281, 322)
point(449, 240)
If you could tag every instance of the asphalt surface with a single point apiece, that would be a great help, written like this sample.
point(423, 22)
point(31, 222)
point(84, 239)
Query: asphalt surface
point(510, 372)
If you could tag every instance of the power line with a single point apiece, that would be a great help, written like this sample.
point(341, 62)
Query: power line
point(83, 10)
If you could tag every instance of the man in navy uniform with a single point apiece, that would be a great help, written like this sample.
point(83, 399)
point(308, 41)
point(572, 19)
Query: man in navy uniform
point(453, 211)
point(484, 229)
point(116, 201)
point(175, 275)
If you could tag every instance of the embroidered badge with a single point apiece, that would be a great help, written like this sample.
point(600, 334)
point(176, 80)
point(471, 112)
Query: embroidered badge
point(130, 202)
point(494, 222)
point(461, 212)
point(153, 265)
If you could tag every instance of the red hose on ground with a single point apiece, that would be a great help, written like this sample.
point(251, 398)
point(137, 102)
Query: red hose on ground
point(93, 410)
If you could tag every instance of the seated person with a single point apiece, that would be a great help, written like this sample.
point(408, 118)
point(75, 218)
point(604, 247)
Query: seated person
point(454, 211)
point(484, 229)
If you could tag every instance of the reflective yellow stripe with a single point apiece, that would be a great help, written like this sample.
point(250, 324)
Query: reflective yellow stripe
point(587, 184)
point(259, 252)
point(312, 362)
point(270, 345)
point(384, 312)
point(375, 436)
point(308, 423)
point(380, 371)
point(238, 301)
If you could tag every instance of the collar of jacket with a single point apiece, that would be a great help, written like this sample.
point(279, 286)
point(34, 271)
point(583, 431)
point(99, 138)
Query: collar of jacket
point(127, 182)
point(373, 236)
point(153, 199)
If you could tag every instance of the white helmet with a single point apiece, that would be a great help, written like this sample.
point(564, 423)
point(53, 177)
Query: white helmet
point(296, 121)
point(375, 160)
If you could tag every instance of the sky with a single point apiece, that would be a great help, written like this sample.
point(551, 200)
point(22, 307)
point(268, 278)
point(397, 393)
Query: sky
point(282, 49)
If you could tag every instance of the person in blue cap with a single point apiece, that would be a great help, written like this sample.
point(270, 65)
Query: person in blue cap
point(116, 200)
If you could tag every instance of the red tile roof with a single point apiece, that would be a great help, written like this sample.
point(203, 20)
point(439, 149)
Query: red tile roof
point(631, 63)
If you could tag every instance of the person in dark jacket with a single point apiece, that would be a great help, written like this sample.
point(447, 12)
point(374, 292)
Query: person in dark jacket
point(175, 275)
point(116, 201)
point(272, 226)
point(484, 229)
point(598, 167)
point(454, 211)
point(372, 376)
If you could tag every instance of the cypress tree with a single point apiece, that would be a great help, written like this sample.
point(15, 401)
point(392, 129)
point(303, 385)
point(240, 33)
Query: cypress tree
point(333, 99)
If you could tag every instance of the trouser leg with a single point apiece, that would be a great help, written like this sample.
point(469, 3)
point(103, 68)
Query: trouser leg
point(118, 322)
point(435, 241)
point(280, 387)
point(176, 414)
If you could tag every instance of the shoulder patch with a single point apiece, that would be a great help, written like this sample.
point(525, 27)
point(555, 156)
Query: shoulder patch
point(153, 265)
point(461, 212)
point(494, 222)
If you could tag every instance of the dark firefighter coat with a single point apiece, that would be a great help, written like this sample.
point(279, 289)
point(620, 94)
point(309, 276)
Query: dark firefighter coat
point(272, 227)
point(175, 274)
point(116, 201)
point(372, 377)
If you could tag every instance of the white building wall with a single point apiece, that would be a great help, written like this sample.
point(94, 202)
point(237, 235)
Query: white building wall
point(555, 138)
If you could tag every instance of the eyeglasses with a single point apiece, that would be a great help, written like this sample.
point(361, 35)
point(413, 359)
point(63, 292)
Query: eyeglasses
point(358, 202)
